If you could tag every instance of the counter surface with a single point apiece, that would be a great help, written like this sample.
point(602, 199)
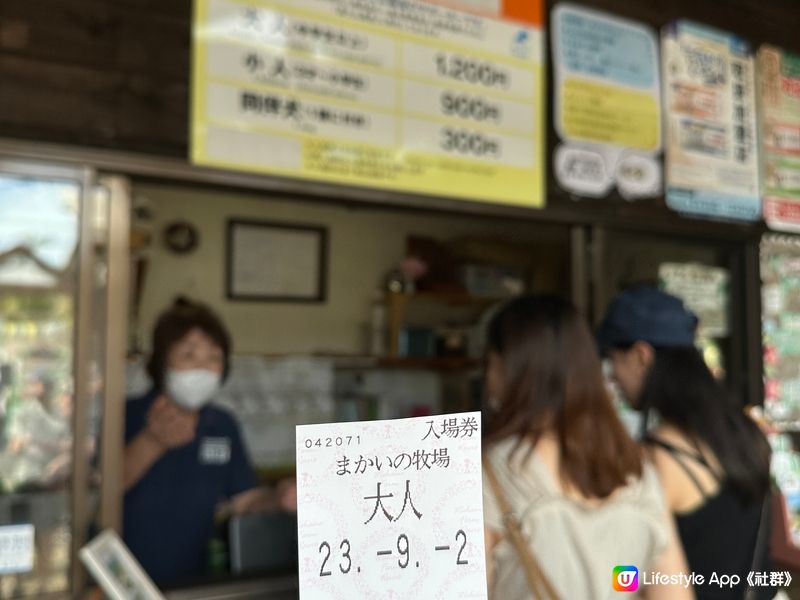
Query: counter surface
point(274, 588)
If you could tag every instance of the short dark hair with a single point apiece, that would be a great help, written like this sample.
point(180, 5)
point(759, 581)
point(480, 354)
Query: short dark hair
point(174, 324)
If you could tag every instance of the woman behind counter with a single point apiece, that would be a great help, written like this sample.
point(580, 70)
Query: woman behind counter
point(184, 456)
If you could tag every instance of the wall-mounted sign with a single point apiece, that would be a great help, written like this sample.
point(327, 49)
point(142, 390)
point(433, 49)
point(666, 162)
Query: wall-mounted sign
point(607, 104)
point(391, 509)
point(704, 290)
point(16, 549)
point(411, 96)
point(780, 137)
point(712, 159)
point(780, 321)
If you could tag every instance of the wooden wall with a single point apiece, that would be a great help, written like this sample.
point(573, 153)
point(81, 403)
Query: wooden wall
point(115, 73)
point(107, 73)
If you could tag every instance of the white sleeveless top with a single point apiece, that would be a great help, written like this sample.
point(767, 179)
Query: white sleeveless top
point(577, 546)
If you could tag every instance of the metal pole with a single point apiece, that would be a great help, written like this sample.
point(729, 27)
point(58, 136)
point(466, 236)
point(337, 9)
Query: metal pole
point(112, 436)
point(754, 365)
point(82, 356)
point(579, 273)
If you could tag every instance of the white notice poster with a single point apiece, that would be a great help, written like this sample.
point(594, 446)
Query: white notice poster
point(710, 103)
point(391, 509)
point(704, 290)
point(16, 549)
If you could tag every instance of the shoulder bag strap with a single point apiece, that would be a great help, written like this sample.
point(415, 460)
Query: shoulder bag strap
point(538, 582)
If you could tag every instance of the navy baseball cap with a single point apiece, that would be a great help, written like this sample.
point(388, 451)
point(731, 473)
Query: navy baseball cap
point(645, 313)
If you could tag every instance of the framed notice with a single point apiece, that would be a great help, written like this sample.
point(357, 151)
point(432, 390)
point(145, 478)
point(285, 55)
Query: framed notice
point(391, 509)
point(607, 104)
point(115, 569)
point(426, 97)
point(712, 151)
point(269, 261)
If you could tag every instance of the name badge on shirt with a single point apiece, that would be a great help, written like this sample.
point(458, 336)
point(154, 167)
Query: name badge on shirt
point(215, 451)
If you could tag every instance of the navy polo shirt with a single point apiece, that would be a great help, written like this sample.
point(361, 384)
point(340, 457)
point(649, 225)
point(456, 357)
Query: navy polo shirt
point(169, 513)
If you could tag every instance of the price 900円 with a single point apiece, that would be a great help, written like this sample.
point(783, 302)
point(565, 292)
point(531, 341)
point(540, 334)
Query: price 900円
point(470, 143)
point(403, 549)
point(466, 106)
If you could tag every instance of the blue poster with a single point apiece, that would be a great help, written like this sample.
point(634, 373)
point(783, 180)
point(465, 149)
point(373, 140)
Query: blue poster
point(607, 104)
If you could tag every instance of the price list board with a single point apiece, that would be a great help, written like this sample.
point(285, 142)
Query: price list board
point(411, 96)
point(389, 509)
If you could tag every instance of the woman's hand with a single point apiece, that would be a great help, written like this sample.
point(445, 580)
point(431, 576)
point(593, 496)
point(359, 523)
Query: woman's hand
point(287, 495)
point(283, 497)
point(169, 425)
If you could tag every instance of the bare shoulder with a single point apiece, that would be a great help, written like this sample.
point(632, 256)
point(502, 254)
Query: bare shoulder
point(686, 481)
point(672, 435)
point(661, 457)
point(680, 440)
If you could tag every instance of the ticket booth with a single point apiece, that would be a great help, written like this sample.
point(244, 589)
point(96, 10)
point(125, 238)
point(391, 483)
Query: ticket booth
point(80, 294)
point(400, 146)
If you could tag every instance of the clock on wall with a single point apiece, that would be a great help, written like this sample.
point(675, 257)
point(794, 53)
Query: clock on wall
point(181, 237)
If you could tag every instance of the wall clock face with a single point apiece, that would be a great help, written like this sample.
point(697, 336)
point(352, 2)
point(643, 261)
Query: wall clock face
point(181, 237)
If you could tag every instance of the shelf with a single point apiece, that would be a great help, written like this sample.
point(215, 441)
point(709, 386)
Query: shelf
point(397, 305)
point(273, 474)
point(360, 362)
point(441, 363)
point(452, 298)
point(792, 427)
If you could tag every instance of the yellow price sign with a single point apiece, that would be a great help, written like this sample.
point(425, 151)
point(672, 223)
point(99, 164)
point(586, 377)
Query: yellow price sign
point(432, 100)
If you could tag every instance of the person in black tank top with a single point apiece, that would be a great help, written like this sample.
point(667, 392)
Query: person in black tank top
point(649, 337)
point(712, 533)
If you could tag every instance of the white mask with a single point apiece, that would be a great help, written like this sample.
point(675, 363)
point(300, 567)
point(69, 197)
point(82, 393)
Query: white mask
point(192, 388)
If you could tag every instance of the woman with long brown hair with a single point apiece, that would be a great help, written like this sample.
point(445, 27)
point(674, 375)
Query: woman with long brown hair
point(561, 469)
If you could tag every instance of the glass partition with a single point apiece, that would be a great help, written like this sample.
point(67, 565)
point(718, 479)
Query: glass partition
point(39, 232)
point(55, 234)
